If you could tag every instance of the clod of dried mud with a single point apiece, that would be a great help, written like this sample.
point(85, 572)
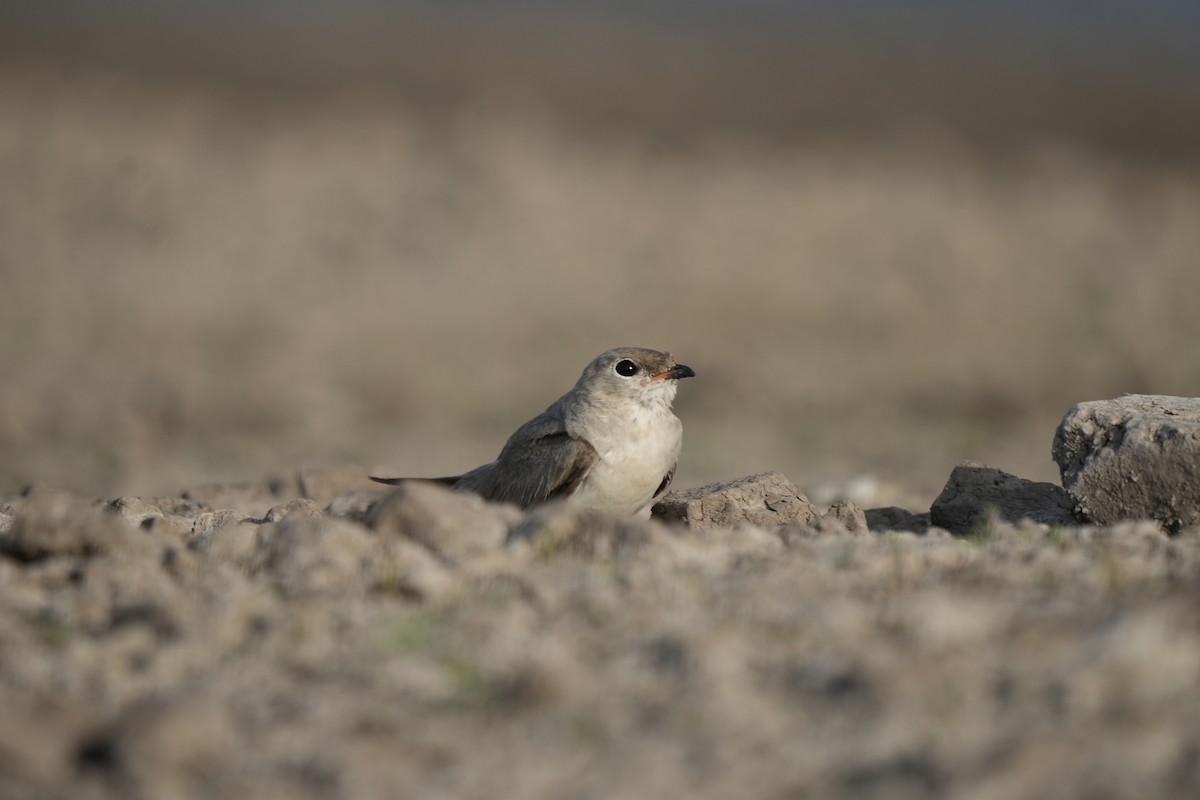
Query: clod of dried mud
point(159, 647)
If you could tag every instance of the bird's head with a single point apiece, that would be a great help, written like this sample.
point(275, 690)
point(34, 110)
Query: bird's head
point(648, 376)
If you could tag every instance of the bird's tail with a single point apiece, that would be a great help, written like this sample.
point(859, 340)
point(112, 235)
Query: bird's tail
point(449, 480)
point(388, 481)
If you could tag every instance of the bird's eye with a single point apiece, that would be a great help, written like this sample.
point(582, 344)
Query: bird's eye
point(627, 368)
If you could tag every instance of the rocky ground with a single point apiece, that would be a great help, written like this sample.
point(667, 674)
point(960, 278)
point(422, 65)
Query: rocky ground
point(316, 636)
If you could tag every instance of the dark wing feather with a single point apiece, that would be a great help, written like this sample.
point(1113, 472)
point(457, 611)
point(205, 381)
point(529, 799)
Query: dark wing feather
point(666, 481)
point(540, 462)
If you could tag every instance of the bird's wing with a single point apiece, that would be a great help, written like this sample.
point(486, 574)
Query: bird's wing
point(540, 462)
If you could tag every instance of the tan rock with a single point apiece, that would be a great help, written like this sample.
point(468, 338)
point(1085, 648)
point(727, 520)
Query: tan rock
point(766, 500)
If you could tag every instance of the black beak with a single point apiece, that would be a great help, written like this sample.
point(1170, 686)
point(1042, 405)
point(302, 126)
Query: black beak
point(681, 371)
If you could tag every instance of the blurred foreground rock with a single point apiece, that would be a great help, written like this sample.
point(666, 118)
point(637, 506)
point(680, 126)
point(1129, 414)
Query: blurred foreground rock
point(451, 524)
point(54, 523)
point(975, 492)
point(1135, 457)
point(768, 500)
point(160, 647)
point(558, 527)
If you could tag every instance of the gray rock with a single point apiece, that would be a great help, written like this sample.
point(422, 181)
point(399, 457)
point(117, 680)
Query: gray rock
point(1135, 457)
point(453, 525)
point(767, 500)
point(975, 493)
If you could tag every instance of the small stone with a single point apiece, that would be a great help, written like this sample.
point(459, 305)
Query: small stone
point(1135, 457)
point(975, 492)
point(766, 500)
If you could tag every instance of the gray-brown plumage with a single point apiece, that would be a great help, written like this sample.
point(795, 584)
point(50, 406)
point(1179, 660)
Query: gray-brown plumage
point(611, 443)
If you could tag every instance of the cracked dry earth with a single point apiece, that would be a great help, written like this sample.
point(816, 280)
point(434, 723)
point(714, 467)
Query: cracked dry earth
point(242, 642)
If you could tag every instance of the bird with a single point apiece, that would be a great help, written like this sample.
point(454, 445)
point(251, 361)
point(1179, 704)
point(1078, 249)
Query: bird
point(610, 444)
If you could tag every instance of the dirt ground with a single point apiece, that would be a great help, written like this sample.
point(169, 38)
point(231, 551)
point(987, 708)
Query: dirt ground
point(216, 269)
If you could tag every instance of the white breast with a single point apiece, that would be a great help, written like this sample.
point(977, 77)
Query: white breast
point(636, 452)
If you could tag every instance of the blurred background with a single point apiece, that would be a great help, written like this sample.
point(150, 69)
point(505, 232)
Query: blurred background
point(241, 238)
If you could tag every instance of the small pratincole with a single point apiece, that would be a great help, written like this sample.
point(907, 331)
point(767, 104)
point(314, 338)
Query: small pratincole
point(611, 443)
